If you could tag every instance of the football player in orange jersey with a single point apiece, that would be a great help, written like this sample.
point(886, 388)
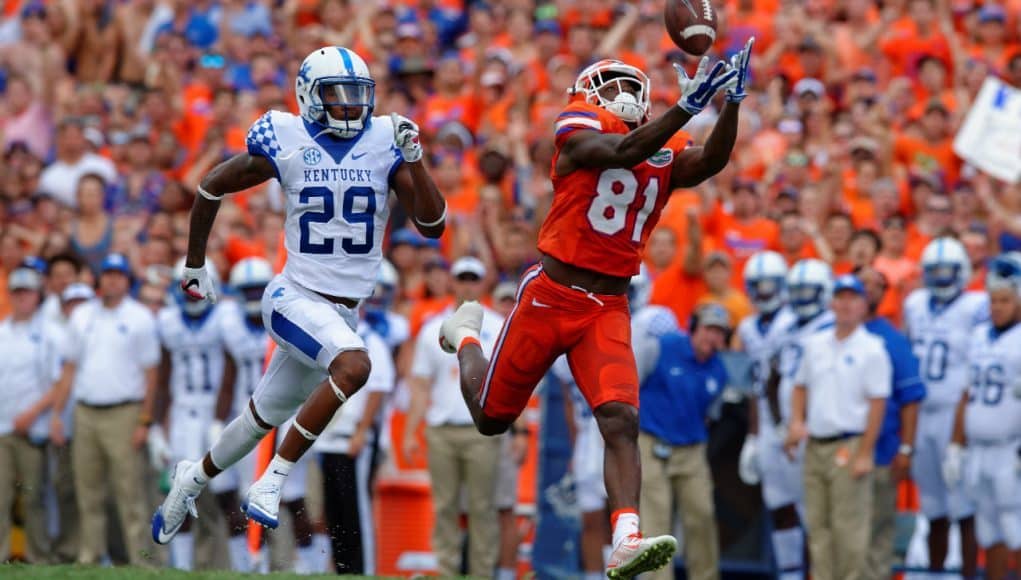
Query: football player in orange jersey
point(612, 172)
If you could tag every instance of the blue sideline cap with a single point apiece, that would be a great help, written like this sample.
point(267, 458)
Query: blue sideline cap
point(115, 262)
point(849, 282)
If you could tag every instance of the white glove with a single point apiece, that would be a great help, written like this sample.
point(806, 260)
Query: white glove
point(952, 462)
point(197, 285)
point(737, 89)
point(406, 137)
point(159, 449)
point(697, 91)
point(214, 431)
point(748, 464)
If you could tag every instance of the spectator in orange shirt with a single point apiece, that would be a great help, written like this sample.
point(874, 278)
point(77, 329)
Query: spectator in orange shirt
point(743, 230)
point(976, 243)
point(681, 285)
point(935, 219)
point(436, 294)
point(718, 275)
point(992, 45)
point(796, 239)
point(968, 210)
point(931, 152)
point(838, 231)
point(660, 251)
point(865, 246)
point(899, 269)
point(918, 34)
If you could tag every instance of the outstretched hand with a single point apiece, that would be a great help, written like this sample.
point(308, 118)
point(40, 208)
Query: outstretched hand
point(697, 91)
point(737, 90)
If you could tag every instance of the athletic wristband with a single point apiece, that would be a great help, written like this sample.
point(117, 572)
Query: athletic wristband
point(208, 195)
point(440, 220)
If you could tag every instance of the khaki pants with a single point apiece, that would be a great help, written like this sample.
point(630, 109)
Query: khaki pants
point(461, 457)
point(102, 455)
point(65, 545)
point(884, 524)
point(681, 482)
point(21, 474)
point(837, 510)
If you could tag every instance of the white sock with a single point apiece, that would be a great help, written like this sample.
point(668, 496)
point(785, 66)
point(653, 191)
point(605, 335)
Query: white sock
point(627, 524)
point(324, 551)
point(278, 470)
point(240, 559)
point(594, 576)
point(307, 559)
point(789, 549)
point(196, 478)
point(505, 574)
point(182, 551)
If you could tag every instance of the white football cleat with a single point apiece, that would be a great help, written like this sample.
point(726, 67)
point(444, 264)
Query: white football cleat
point(636, 555)
point(180, 502)
point(465, 322)
point(262, 503)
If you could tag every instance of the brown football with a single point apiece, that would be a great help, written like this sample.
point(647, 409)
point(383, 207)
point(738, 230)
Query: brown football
point(691, 24)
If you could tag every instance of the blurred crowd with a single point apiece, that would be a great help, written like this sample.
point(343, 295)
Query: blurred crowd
point(111, 111)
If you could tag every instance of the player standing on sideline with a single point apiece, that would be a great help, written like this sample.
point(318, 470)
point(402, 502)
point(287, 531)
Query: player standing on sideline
point(612, 173)
point(939, 319)
point(762, 457)
point(191, 369)
point(988, 421)
point(337, 164)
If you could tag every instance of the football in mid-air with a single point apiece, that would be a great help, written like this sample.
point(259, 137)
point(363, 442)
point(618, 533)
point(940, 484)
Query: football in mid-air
point(691, 24)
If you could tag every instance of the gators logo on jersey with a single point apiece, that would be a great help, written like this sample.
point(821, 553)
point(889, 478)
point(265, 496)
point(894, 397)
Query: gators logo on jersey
point(661, 158)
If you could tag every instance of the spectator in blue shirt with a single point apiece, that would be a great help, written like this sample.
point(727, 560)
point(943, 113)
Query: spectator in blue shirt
point(681, 377)
point(893, 448)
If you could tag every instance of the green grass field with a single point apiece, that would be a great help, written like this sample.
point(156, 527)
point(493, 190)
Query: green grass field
point(21, 571)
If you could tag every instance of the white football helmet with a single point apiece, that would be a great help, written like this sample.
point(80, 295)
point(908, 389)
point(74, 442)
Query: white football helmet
point(1004, 271)
point(335, 76)
point(946, 269)
point(630, 108)
point(386, 287)
point(191, 307)
point(809, 288)
point(765, 281)
point(249, 278)
point(639, 290)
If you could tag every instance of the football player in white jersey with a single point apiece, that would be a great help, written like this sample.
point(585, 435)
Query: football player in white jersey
point(762, 458)
point(336, 164)
point(190, 375)
point(648, 321)
point(988, 421)
point(939, 319)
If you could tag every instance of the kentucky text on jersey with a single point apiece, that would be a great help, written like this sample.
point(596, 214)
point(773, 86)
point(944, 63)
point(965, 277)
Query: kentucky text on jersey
point(334, 174)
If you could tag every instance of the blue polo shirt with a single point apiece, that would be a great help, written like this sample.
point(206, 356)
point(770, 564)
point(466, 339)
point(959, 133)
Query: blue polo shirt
point(677, 394)
point(907, 386)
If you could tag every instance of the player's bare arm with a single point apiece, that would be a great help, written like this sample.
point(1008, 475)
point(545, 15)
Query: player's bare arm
point(235, 174)
point(697, 164)
point(593, 149)
point(412, 183)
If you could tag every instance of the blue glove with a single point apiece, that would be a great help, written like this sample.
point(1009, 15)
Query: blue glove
point(697, 91)
point(736, 91)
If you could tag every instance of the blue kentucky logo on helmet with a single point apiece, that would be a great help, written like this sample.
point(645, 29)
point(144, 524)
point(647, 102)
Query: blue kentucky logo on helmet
point(303, 72)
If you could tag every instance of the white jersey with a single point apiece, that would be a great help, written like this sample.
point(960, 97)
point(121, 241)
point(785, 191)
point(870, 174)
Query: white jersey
point(196, 356)
point(337, 194)
point(246, 343)
point(993, 413)
point(762, 341)
point(791, 351)
point(940, 338)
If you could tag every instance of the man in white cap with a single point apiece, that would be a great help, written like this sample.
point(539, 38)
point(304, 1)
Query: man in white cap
point(29, 366)
point(111, 362)
point(458, 456)
point(839, 398)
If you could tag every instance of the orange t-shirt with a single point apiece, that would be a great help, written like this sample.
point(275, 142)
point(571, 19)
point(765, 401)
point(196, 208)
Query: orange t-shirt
point(678, 291)
point(926, 157)
point(741, 238)
point(903, 46)
point(426, 308)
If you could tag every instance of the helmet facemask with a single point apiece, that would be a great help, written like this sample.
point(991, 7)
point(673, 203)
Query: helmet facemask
point(619, 88)
point(252, 296)
point(766, 293)
point(943, 280)
point(807, 300)
point(352, 98)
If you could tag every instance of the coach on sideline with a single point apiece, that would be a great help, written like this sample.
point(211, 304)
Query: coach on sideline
point(839, 397)
point(681, 376)
point(894, 447)
point(112, 357)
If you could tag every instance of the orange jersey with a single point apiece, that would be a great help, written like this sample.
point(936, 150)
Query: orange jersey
point(601, 219)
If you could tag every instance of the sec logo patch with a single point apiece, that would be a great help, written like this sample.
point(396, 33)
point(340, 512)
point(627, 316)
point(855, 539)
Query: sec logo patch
point(661, 158)
point(312, 157)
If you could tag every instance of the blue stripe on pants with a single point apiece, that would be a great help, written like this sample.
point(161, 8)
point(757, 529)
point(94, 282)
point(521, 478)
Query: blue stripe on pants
point(293, 334)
